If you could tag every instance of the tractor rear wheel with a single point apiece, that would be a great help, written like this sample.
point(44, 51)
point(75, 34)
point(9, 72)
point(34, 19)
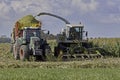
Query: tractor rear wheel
point(23, 52)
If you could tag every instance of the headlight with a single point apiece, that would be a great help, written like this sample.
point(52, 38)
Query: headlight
point(24, 41)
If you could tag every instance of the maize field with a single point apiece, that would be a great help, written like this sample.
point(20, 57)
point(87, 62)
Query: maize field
point(94, 69)
point(110, 45)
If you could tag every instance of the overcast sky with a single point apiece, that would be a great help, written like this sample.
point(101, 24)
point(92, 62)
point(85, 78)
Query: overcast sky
point(101, 18)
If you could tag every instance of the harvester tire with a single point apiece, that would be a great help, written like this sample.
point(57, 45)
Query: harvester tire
point(56, 52)
point(23, 52)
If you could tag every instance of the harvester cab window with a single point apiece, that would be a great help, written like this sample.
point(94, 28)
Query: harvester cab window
point(76, 29)
point(76, 33)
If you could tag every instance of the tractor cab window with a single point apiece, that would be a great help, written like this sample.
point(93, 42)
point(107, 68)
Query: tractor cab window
point(75, 33)
point(32, 33)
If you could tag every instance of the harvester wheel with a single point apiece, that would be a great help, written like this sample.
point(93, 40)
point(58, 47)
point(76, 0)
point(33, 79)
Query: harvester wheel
point(23, 52)
point(56, 52)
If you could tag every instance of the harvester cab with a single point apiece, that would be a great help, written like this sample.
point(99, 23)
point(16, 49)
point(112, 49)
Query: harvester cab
point(74, 32)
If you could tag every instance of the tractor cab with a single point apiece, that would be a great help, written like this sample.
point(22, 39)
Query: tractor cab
point(29, 33)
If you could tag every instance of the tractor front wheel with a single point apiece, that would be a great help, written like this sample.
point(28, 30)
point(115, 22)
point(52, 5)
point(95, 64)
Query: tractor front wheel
point(23, 52)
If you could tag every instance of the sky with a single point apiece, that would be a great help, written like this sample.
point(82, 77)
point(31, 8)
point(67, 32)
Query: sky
point(101, 18)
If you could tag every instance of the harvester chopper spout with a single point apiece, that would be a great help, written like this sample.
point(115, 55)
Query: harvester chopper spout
point(44, 13)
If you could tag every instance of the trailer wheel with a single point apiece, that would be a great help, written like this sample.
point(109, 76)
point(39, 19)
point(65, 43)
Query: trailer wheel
point(15, 52)
point(11, 48)
point(23, 52)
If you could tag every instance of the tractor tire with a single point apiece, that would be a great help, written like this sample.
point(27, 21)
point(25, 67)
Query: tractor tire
point(23, 52)
point(16, 52)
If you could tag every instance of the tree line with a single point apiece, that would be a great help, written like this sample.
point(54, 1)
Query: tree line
point(4, 39)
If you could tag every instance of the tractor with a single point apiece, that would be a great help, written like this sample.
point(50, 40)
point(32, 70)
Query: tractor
point(27, 40)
